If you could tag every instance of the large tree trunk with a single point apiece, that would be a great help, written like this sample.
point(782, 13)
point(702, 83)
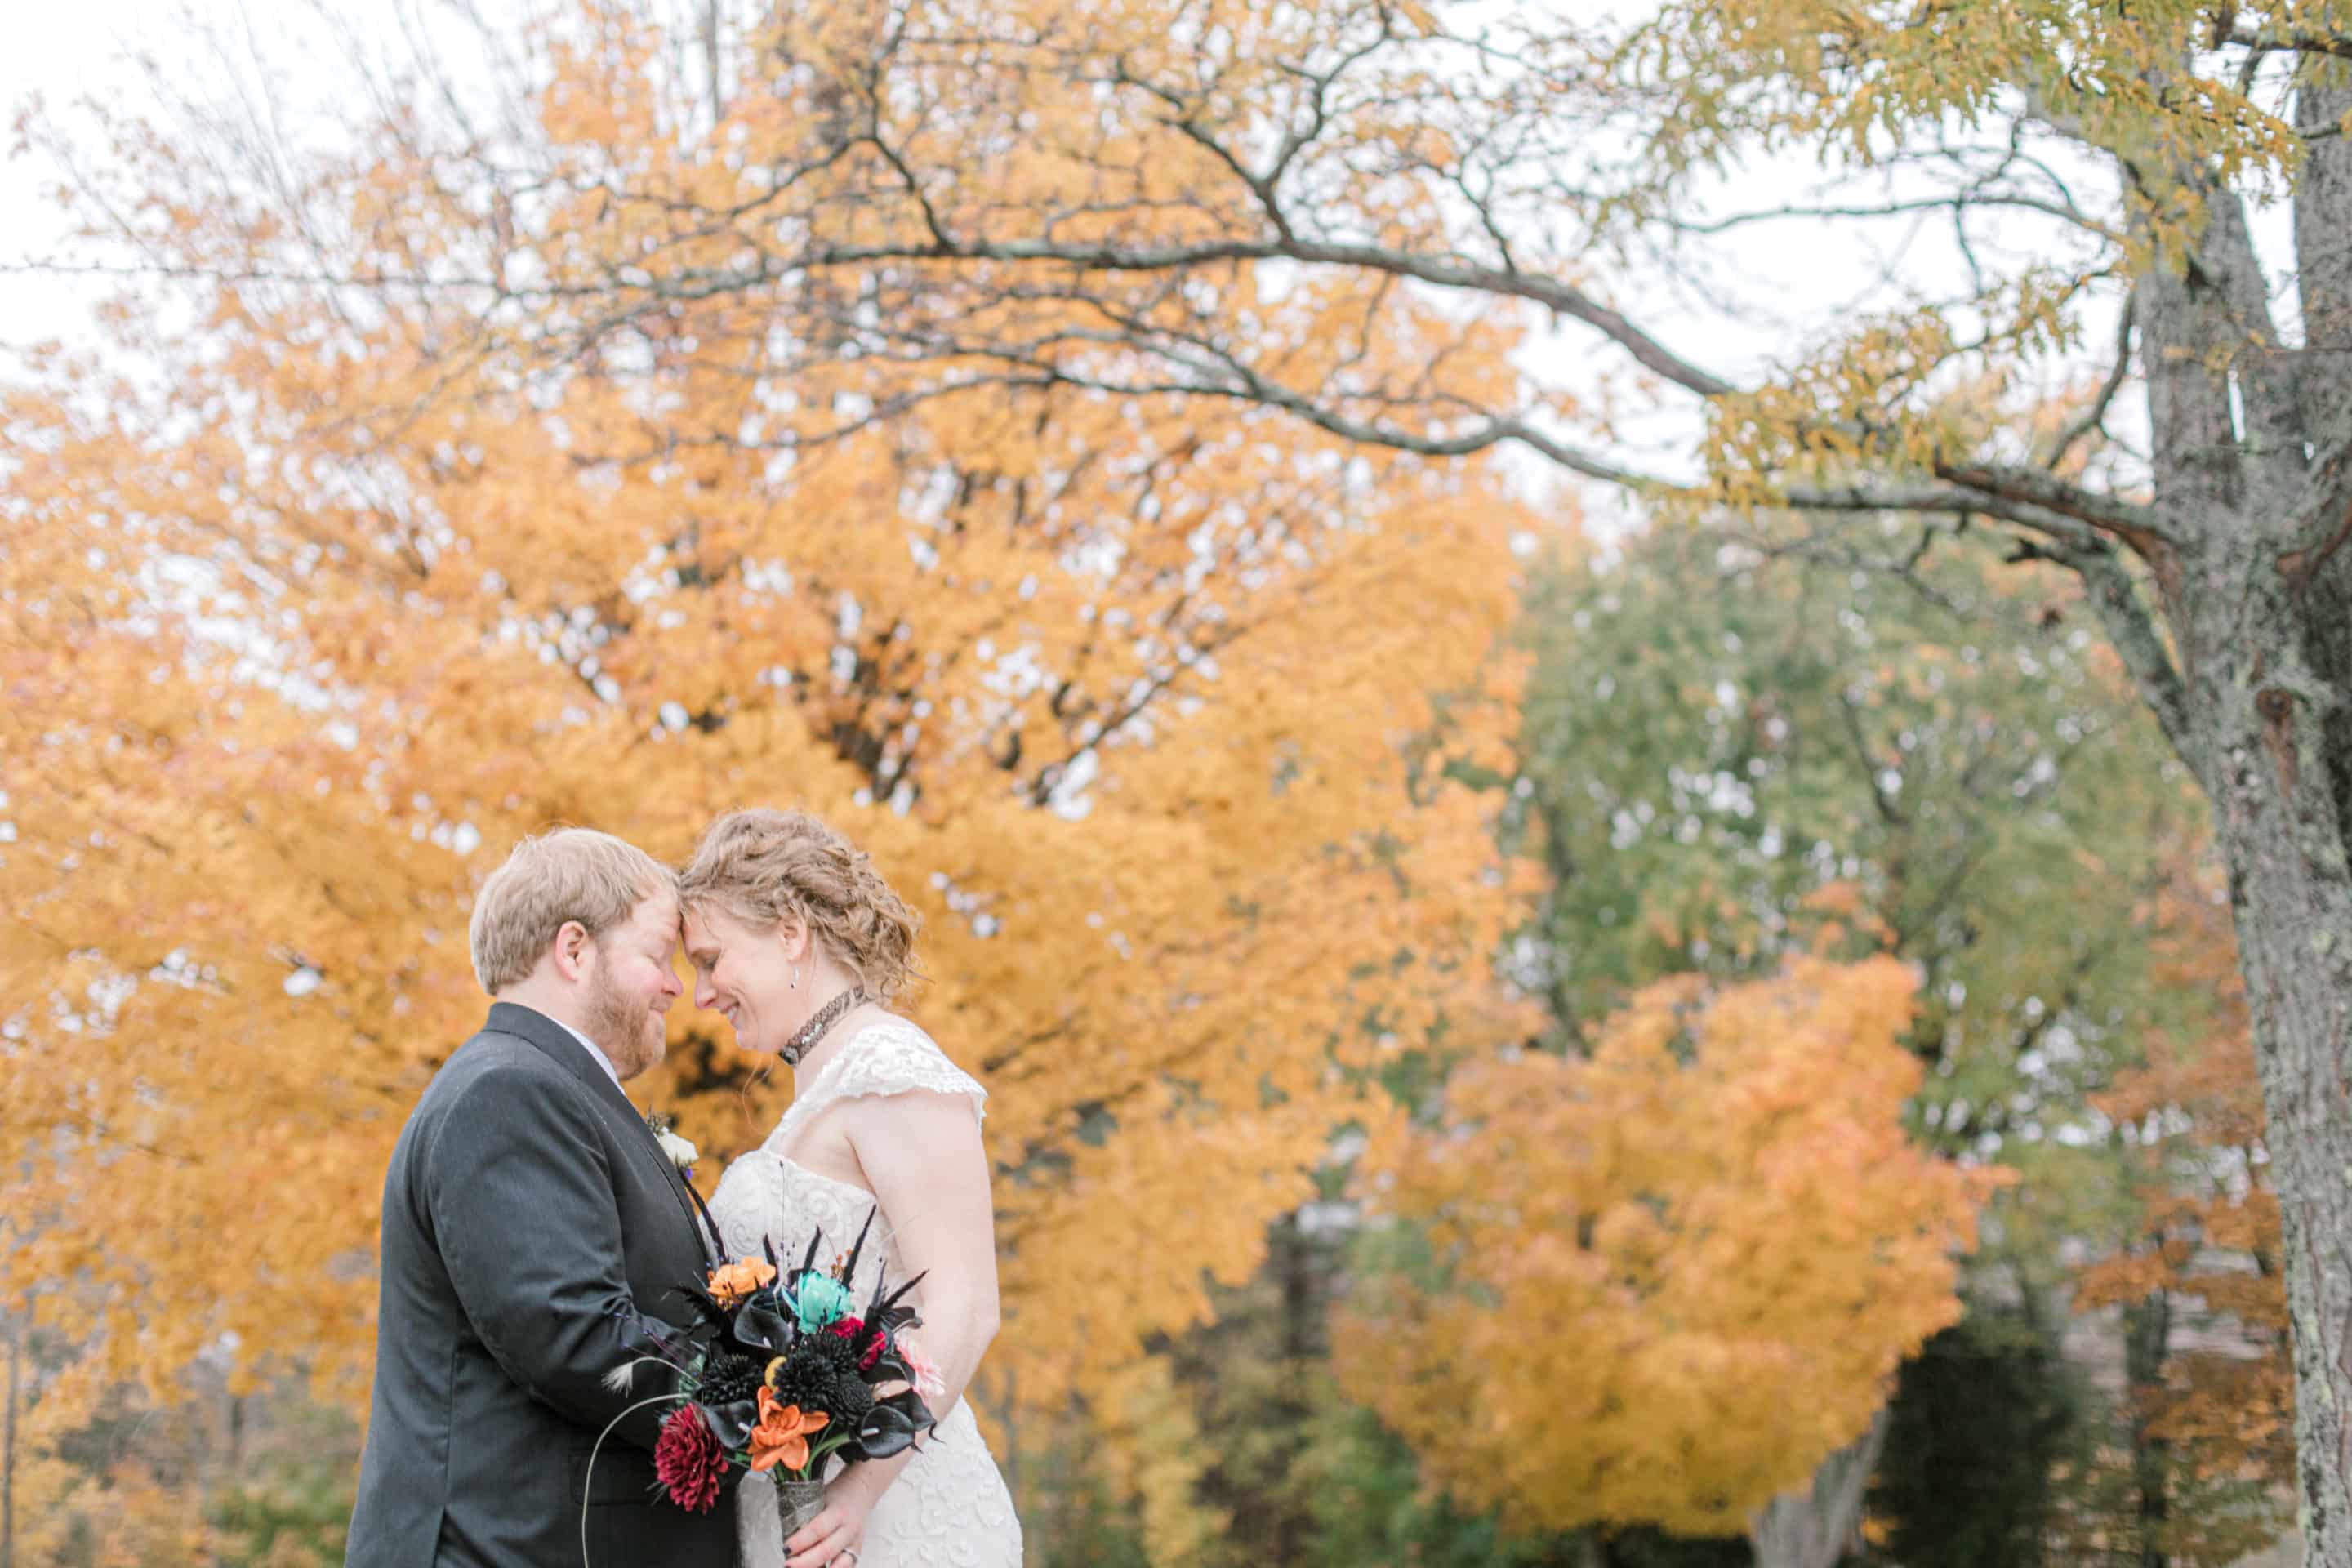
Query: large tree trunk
point(2257, 598)
point(1811, 1528)
point(2280, 819)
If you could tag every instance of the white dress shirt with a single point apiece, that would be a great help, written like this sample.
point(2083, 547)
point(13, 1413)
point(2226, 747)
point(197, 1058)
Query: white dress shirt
point(602, 1059)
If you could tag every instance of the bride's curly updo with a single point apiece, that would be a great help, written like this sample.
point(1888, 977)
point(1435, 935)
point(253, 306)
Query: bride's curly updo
point(766, 867)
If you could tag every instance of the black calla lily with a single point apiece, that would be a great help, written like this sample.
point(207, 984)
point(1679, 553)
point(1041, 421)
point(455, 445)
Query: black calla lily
point(893, 1425)
point(732, 1423)
point(761, 1324)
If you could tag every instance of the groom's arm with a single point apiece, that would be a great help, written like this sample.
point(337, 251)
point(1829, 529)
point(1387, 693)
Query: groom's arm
point(520, 1196)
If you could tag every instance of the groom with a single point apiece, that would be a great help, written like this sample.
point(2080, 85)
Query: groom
point(530, 1218)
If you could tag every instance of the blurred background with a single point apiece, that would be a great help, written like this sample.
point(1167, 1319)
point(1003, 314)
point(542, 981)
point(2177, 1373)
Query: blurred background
point(1528, 1021)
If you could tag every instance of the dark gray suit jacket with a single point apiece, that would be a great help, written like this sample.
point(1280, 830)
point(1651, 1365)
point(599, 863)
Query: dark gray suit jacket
point(529, 1219)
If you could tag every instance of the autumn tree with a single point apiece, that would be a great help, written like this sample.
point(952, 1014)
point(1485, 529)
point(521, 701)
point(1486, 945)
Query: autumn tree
point(1712, 738)
point(1665, 1282)
point(1730, 757)
point(316, 598)
point(1208, 170)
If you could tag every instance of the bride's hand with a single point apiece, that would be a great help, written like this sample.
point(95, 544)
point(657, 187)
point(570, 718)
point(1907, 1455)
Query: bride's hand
point(832, 1539)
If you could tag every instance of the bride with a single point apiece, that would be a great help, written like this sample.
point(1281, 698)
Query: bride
point(800, 943)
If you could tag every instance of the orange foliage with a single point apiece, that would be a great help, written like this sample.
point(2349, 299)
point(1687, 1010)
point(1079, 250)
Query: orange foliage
point(2210, 1222)
point(1678, 1274)
point(1149, 708)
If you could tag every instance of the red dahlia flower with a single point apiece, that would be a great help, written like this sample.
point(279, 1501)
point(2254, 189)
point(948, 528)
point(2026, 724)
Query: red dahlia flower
point(689, 1461)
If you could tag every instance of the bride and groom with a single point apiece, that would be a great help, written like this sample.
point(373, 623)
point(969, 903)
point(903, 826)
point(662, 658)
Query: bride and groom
point(535, 1230)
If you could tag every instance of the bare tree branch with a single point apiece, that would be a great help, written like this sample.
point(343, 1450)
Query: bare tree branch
point(1956, 202)
point(1437, 271)
point(2141, 527)
point(2095, 416)
point(2307, 43)
point(2132, 628)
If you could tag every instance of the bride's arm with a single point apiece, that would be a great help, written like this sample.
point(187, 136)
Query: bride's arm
point(922, 1156)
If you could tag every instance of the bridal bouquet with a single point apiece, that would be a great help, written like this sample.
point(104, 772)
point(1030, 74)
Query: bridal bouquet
point(785, 1371)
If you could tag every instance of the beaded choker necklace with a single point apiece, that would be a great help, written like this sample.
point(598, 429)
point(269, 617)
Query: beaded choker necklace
point(825, 1018)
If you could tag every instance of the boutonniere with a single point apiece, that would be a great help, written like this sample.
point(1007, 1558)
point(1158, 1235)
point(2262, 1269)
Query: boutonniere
point(681, 1152)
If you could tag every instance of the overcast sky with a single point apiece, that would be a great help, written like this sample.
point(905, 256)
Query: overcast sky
point(59, 49)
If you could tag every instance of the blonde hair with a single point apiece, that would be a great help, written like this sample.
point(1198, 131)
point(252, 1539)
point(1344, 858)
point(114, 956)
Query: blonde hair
point(770, 868)
point(568, 874)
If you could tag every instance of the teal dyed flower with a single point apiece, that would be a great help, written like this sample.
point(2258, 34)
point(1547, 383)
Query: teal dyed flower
point(820, 1302)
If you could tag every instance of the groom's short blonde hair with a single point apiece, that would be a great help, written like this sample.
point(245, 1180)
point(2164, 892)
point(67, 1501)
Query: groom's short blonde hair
point(568, 874)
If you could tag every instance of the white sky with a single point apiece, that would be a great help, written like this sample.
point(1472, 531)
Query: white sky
point(59, 50)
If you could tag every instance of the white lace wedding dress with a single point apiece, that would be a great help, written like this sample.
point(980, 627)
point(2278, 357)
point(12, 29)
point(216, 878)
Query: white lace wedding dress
point(949, 1504)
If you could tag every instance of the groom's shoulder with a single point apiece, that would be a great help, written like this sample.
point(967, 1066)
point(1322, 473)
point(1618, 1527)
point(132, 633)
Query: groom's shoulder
point(491, 1065)
point(490, 1051)
point(495, 1087)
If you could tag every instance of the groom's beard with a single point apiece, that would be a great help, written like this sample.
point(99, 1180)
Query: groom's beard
point(630, 1034)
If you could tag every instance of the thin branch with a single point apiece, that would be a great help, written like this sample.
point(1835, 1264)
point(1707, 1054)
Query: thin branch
point(1466, 277)
point(2095, 416)
point(1888, 810)
point(1811, 549)
point(2064, 211)
point(2132, 630)
point(2334, 44)
point(388, 283)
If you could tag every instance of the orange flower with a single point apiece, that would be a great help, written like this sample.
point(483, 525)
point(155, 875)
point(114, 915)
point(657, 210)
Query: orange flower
point(782, 1437)
point(730, 1282)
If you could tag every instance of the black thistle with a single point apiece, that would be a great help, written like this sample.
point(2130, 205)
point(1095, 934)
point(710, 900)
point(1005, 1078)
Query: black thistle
point(809, 1377)
point(728, 1378)
point(839, 1352)
point(853, 1400)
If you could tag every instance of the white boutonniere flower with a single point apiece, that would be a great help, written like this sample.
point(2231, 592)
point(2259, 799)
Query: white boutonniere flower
point(682, 1154)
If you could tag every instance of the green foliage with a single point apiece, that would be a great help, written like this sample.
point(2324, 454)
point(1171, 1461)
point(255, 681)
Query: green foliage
point(1729, 760)
point(295, 1506)
point(1070, 1517)
point(1369, 1504)
point(286, 1520)
point(1981, 1418)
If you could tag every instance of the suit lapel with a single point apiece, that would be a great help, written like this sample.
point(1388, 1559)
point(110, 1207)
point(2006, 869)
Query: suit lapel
point(558, 1045)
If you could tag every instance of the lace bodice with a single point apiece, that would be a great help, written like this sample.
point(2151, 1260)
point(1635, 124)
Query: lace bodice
point(950, 1505)
point(766, 1197)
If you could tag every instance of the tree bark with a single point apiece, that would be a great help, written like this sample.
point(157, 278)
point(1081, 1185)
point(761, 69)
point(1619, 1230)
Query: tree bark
point(2279, 822)
point(1812, 1528)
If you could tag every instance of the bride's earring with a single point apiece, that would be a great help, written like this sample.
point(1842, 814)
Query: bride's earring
point(796, 976)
